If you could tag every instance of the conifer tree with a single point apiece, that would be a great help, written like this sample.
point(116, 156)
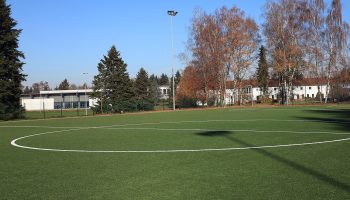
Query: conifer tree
point(154, 91)
point(142, 91)
point(10, 66)
point(112, 86)
point(163, 80)
point(64, 85)
point(263, 71)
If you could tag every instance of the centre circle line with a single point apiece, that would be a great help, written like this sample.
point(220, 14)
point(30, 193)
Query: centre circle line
point(122, 127)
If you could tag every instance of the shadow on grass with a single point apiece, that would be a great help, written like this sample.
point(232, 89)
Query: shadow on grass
point(340, 118)
point(214, 133)
point(301, 168)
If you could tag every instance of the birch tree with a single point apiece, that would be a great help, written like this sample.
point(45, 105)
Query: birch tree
point(314, 16)
point(241, 39)
point(283, 32)
point(207, 50)
point(335, 38)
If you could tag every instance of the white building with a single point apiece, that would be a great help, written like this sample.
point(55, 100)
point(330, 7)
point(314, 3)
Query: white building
point(164, 91)
point(57, 99)
point(307, 88)
point(69, 99)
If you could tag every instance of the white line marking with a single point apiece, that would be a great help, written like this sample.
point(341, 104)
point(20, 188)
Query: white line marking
point(13, 142)
point(230, 130)
point(291, 108)
point(178, 122)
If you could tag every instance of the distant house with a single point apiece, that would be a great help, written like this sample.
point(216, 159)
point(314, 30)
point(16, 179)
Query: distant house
point(307, 88)
point(164, 91)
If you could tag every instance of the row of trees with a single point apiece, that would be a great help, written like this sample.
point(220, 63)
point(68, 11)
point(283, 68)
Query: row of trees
point(117, 92)
point(305, 36)
point(302, 38)
point(223, 45)
point(44, 86)
point(66, 85)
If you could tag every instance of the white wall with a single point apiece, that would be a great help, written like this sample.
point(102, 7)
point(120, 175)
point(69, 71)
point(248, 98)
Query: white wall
point(38, 104)
point(93, 102)
point(302, 91)
point(164, 91)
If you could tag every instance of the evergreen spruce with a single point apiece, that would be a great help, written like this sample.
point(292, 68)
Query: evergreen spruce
point(154, 89)
point(142, 91)
point(10, 66)
point(64, 85)
point(112, 86)
point(164, 80)
point(263, 72)
point(27, 90)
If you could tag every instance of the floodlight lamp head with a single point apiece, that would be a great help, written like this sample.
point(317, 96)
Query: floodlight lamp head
point(172, 12)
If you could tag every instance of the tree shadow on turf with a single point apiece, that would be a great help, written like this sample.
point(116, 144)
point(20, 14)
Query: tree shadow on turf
point(214, 133)
point(299, 167)
point(340, 118)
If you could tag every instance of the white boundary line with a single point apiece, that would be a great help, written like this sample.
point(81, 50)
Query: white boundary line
point(178, 122)
point(13, 142)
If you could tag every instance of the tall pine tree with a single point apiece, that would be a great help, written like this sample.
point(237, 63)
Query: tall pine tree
point(142, 91)
point(163, 80)
point(10, 66)
point(112, 86)
point(263, 71)
point(64, 85)
point(154, 89)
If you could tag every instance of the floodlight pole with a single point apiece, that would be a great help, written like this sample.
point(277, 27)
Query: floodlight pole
point(86, 99)
point(172, 13)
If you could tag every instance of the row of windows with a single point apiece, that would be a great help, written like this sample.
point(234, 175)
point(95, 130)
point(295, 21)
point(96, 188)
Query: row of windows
point(307, 96)
point(302, 96)
point(301, 88)
point(165, 91)
point(318, 87)
point(67, 105)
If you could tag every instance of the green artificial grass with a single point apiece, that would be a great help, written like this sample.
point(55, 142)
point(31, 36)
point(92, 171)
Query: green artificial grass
point(319, 171)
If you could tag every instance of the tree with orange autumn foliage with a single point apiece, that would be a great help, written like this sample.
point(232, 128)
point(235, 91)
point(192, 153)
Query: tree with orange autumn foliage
point(241, 39)
point(222, 43)
point(190, 88)
point(284, 33)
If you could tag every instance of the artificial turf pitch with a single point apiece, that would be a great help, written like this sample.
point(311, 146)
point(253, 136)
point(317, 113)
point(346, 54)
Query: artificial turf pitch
point(248, 153)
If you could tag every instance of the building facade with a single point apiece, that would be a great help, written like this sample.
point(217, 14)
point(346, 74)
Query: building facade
point(59, 99)
point(164, 91)
point(69, 99)
point(308, 88)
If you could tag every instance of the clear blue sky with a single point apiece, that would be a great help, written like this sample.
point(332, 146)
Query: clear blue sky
point(64, 38)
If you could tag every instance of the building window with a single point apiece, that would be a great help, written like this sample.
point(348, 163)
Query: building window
point(302, 96)
point(275, 89)
point(313, 95)
point(307, 95)
point(309, 88)
point(301, 88)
